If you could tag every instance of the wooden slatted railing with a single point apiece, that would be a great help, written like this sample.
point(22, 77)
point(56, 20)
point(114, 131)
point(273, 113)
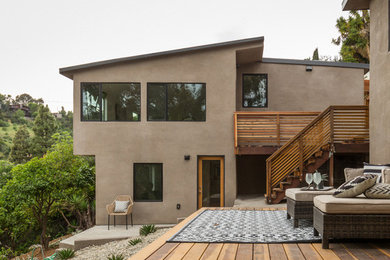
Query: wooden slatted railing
point(337, 124)
point(268, 128)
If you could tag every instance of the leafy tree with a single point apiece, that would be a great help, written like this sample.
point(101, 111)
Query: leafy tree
point(18, 117)
point(20, 151)
point(39, 186)
point(5, 169)
point(66, 120)
point(354, 37)
point(26, 99)
point(45, 126)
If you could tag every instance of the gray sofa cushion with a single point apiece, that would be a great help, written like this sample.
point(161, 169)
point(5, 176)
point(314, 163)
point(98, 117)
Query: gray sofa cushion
point(351, 173)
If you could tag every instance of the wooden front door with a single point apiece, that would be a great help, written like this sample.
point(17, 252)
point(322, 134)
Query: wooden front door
point(211, 181)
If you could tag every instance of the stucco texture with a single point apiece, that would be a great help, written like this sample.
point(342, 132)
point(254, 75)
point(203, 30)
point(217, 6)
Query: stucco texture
point(379, 83)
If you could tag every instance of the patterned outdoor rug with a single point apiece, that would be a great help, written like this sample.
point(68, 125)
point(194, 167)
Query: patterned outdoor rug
point(245, 226)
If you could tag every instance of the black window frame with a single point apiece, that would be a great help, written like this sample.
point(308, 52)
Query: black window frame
point(266, 89)
point(101, 103)
point(166, 102)
point(162, 183)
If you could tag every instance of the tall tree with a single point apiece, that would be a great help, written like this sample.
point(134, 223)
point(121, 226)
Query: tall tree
point(45, 126)
point(354, 37)
point(20, 151)
point(315, 55)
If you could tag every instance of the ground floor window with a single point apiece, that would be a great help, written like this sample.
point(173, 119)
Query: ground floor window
point(148, 182)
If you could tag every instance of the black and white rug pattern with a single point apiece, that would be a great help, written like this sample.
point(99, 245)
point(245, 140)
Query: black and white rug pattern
point(245, 226)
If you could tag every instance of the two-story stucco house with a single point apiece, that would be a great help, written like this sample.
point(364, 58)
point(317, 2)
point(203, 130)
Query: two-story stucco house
point(163, 126)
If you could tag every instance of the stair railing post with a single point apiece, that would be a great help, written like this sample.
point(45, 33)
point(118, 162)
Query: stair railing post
point(235, 134)
point(269, 172)
point(300, 148)
point(278, 128)
point(331, 159)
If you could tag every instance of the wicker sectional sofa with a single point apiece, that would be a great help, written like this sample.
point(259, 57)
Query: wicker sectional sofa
point(359, 217)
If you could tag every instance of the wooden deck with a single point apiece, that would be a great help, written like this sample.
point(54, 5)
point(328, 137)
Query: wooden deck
point(159, 249)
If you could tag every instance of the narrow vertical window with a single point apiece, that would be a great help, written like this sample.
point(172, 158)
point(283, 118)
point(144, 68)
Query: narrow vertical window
point(91, 105)
point(254, 90)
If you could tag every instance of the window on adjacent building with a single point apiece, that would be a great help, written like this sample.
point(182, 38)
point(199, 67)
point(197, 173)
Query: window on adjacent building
point(254, 90)
point(176, 101)
point(148, 182)
point(110, 101)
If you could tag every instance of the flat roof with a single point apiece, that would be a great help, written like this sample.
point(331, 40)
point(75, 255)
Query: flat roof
point(349, 5)
point(67, 71)
point(352, 65)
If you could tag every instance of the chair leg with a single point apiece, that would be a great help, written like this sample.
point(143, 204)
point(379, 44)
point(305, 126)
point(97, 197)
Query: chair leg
point(108, 222)
point(126, 222)
point(295, 222)
point(114, 220)
point(325, 242)
point(131, 215)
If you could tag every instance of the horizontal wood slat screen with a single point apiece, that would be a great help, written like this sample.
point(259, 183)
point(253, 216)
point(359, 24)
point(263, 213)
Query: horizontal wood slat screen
point(337, 124)
point(268, 128)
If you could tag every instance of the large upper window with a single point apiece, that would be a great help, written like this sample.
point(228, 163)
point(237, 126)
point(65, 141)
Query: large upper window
point(148, 182)
point(254, 90)
point(176, 102)
point(110, 101)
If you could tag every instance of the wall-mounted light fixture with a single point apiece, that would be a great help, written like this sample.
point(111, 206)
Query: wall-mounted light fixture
point(187, 157)
point(309, 68)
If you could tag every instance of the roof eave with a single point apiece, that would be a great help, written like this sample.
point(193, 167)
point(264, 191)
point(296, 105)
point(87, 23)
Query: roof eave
point(350, 5)
point(68, 71)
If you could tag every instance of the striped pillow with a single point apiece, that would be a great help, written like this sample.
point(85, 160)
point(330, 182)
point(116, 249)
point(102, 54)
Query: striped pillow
point(375, 169)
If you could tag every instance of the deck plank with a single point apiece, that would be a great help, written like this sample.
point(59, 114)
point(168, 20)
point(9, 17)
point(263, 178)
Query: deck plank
point(357, 251)
point(293, 252)
point(180, 251)
point(341, 252)
point(309, 251)
point(228, 252)
point(163, 251)
point(382, 246)
point(245, 252)
point(372, 251)
point(212, 252)
point(260, 252)
point(196, 251)
point(159, 242)
point(325, 253)
point(276, 251)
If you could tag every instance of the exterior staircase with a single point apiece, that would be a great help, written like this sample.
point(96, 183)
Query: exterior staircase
point(313, 146)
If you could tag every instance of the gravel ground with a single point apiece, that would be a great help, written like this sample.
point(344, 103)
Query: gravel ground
point(117, 247)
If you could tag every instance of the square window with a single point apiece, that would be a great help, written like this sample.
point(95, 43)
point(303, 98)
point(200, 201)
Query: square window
point(254, 90)
point(148, 182)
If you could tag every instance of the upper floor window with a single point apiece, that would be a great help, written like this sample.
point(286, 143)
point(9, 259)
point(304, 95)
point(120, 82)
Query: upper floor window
point(254, 90)
point(176, 101)
point(110, 101)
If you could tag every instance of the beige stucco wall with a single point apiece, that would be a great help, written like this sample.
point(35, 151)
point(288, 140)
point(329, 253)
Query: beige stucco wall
point(117, 145)
point(379, 83)
point(292, 88)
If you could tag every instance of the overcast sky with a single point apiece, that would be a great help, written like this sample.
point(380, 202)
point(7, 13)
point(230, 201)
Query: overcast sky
point(39, 37)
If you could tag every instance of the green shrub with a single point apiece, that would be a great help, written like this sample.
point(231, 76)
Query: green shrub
point(135, 241)
point(147, 229)
point(116, 257)
point(3, 123)
point(65, 254)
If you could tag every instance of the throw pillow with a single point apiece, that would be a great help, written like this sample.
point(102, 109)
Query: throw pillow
point(121, 206)
point(356, 186)
point(386, 175)
point(375, 169)
point(351, 173)
point(378, 191)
